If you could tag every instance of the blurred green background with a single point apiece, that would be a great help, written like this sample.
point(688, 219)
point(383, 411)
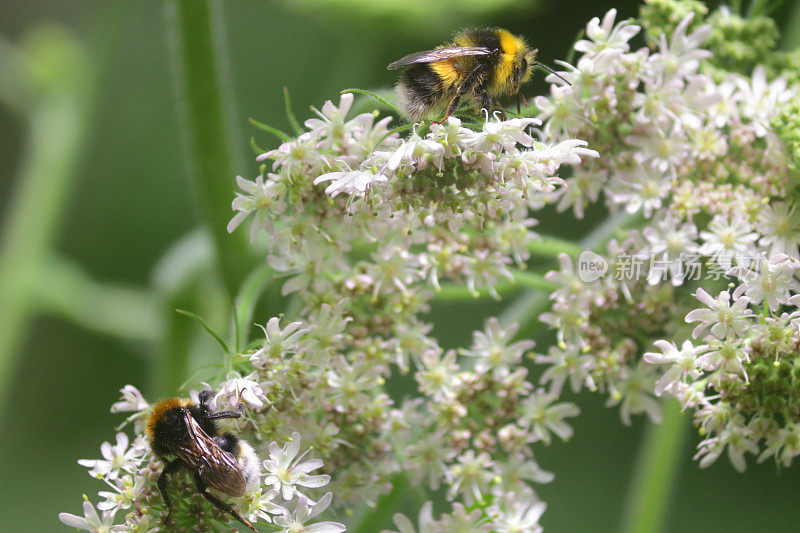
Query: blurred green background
point(89, 108)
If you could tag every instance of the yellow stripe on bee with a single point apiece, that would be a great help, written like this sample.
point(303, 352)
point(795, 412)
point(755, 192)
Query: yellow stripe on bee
point(447, 71)
point(512, 47)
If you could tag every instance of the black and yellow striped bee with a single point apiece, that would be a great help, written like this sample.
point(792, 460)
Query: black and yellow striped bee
point(188, 432)
point(480, 64)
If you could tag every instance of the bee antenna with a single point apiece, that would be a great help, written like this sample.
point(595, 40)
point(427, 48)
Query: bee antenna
point(553, 72)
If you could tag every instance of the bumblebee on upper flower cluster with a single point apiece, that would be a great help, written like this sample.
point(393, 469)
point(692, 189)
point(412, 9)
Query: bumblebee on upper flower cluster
point(480, 64)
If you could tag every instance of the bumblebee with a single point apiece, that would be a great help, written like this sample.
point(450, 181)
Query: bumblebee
point(481, 64)
point(188, 432)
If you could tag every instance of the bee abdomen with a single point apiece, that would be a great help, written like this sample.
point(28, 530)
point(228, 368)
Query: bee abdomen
point(419, 91)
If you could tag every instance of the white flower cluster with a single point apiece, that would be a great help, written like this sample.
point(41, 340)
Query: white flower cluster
point(131, 473)
point(450, 202)
point(363, 226)
point(698, 161)
point(453, 203)
point(742, 381)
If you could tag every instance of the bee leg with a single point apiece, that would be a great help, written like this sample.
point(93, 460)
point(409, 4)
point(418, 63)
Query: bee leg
point(171, 468)
point(227, 414)
point(472, 79)
point(219, 504)
point(452, 105)
point(487, 102)
point(524, 101)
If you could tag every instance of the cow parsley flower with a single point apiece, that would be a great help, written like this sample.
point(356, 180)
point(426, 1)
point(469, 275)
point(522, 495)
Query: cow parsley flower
point(285, 471)
point(295, 522)
point(494, 350)
point(684, 364)
point(462, 521)
point(728, 238)
point(470, 476)
point(278, 341)
point(352, 182)
point(236, 390)
point(773, 282)
point(117, 459)
point(517, 513)
point(726, 320)
point(780, 229)
point(262, 197)
point(91, 521)
point(606, 37)
point(545, 417)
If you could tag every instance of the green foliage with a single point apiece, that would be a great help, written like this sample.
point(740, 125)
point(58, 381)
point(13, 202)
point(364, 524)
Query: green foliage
point(787, 125)
point(660, 17)
point(740, 43)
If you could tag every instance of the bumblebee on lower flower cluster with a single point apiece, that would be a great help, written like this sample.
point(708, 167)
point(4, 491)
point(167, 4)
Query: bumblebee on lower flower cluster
point(187, 432)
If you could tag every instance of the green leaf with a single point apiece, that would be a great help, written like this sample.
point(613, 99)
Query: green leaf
point(246, 300)
point(398, 129)
point(207, 328)
point(256, 148)
point(375, 96)
point(269, 129)
point(287, 102)
point(63, 287)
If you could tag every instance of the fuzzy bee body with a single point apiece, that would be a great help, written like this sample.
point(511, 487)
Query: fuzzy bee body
point(188, 432)
point(481, 64)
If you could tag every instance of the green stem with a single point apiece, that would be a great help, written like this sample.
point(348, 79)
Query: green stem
point(194, 30)
point(790, 37)
point(253, 287)
point(64, 288)
point(57, 123)
point(522, 280)
point(526, 309)
point(15, 85)
point(552, 247)
point(181, 270)
point(757, 8)
point(656, 471)
point(377, 518)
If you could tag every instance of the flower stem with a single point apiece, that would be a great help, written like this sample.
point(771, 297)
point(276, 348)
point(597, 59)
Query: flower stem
point(526, 310)
point(63, 287)
point(790, 37)
point(246, 300)
point(194, 29)
point(57, 123)
point(656, 470)
point(522, 280)
point(387, 503)
point(552, 246)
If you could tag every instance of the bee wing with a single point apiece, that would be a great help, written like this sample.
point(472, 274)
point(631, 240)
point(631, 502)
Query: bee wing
point(439, 54)
point(215, 465)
